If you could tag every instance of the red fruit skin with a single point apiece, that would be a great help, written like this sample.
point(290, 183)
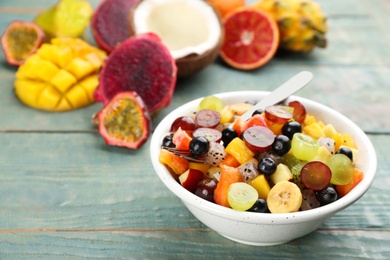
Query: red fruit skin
point(190, 181)
point(141, 64)
point(109, 25)
point(41, 37)
point(146, 123)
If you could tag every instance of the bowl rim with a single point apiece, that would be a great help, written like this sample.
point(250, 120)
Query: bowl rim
point(369, 163)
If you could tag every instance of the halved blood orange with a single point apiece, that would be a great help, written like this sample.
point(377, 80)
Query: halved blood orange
point(251, 38)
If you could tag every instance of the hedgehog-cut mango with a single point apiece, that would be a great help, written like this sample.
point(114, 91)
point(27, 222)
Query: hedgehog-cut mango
point(62, 75)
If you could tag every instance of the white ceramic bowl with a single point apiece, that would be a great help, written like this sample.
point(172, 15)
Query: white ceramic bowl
point(265, 228)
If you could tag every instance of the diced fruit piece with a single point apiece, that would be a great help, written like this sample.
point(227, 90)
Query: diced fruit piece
point(329, 130)
point(203, 167)
point(256, 120)
point(239, 150)
point(278, 114)
point(262, 186)
point(212, 103)
point(228, 176)
point(206, 188)
point(20, 40)
point(314, 130)
point(323, 155)
point(143, 64)
point(309, 200)
point(241, 196)
point(125, 121)
point(108, 24)
point(227, 115)
point(315, 175)
point(67, 18)
point(214, 172)
point(284, 197)
point(258, 138)
point(190, 179)
point(249, 170)
point(230, 160)
point(327, 143)
point(186, 123)
point(207, 118)
point(343, 140)
point(304, 147)
point(55, 86)
point(251, 38)
point(216, 154)
point(343, 190)
point(342, 169)
point(309, 119)
point(240, 108)
point(181, 139)
point(282, 173)
point(176, 163)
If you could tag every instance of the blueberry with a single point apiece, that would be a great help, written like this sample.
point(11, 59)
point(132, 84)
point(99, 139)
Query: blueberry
point(281, 145)
point(346, 151)
point(199, 146)
point(167, 141)
point(267, 166)
point(228, 134)
point(257, 112)
point(260, 206)
point(326, 196)
point(290, 128)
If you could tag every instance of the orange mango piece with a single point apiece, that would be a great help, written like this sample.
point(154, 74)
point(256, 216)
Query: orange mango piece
point(343, 190)
point(228, 176)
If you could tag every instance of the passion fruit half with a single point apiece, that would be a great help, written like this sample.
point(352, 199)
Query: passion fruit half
point(125, 121)
point(191, 30)
point(20, 40)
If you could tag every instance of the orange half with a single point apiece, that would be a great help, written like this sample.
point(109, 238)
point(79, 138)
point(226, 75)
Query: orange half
point(251, 38)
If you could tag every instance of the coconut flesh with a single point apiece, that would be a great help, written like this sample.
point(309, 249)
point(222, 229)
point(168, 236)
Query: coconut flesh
point(191, 30)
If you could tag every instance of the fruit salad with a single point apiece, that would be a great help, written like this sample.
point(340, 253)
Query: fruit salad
point(280, 160)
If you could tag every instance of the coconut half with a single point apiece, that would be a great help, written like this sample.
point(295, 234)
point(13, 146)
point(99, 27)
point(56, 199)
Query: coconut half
point(191, 30)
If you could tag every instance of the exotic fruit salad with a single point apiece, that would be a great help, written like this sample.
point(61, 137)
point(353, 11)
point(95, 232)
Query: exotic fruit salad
point(281, 160)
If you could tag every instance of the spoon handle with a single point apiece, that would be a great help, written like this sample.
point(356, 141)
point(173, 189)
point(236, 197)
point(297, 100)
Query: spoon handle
point(284, 91)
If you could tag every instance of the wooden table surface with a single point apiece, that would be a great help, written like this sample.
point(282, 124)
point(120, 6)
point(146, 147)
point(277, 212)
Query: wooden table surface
point(65, 194)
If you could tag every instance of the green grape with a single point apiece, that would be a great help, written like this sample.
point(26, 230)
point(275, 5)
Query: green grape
point(211, 102)
point(304, 147)
point(242, 196)
point(342, 169)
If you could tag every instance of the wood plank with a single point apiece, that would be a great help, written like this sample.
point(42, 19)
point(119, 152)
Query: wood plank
point(57, 181)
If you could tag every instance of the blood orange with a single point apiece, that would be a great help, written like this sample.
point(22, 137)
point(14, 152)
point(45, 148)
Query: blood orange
point(251, 38)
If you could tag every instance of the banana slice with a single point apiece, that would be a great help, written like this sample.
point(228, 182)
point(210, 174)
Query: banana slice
point(284, 197)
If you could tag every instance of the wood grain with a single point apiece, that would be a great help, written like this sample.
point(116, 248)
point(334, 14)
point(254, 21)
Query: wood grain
point(65, 194)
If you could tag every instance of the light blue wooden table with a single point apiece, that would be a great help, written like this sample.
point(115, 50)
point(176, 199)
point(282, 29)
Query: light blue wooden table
point(64, 194)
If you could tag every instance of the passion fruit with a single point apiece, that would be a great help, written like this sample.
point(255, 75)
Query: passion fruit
point(141, 64)
point(191, 30)
point(125, 121)
point(20, 40)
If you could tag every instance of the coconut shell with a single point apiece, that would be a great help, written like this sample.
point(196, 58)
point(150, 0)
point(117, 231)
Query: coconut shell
point(192, 63)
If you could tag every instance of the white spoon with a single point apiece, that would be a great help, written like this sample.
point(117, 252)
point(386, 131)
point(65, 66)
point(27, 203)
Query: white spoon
point(288, 88)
